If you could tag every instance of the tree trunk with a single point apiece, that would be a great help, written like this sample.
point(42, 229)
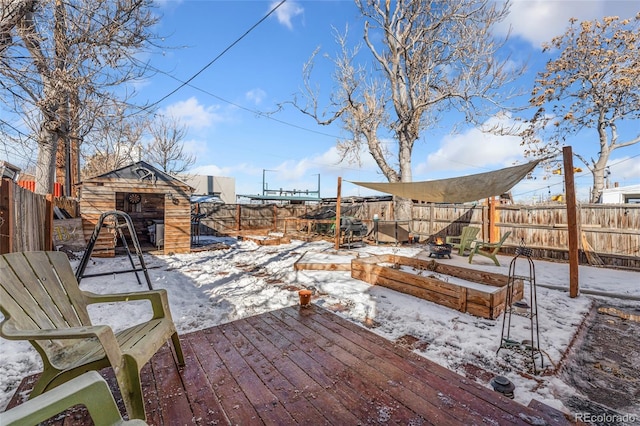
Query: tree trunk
point(600, 165)
point(598, 178)
point(46, 168)
point(402, 208)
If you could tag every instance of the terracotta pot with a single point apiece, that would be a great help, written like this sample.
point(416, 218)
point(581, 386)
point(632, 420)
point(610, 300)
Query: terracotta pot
point(305, 297)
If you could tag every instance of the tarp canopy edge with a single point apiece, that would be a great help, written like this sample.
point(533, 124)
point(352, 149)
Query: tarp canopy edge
point(459, 189)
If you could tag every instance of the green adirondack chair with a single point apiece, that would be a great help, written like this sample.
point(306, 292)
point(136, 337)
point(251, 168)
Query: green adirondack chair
point(489, 250)
point(89, 389)
point(463, 241)
point(42, 303)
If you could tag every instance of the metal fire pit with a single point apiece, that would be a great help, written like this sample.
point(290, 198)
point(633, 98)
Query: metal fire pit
point(440, 250)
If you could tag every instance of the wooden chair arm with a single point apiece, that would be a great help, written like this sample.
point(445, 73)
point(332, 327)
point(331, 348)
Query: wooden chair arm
point(158, 298)
point(11, 332)
point(484, 245)
point(481, 244)
point(104, 334)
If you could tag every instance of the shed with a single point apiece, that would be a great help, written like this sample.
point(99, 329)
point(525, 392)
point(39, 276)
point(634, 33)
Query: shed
point(159, 206)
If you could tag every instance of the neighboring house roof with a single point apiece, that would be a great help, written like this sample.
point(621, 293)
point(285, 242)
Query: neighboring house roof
point(621, 194)
point(214, 198)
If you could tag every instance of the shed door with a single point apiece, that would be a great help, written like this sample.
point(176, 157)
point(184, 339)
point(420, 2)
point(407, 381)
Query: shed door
point(145, 209)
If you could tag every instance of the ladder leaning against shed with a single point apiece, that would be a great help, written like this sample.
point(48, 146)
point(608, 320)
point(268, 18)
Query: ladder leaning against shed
point(116, 216)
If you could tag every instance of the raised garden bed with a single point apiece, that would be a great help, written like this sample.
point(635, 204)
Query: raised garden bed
point(466, 290)
point(322, 262)
point(267, 240)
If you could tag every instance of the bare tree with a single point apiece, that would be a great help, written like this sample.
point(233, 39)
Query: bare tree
point(429, 57)
point(117, 143)
point(166, 150)
point(63, 61)
point(593, 84)
point(12, 12)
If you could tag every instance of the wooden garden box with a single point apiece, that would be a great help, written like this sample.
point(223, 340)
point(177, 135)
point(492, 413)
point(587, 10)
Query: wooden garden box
point(482, 294)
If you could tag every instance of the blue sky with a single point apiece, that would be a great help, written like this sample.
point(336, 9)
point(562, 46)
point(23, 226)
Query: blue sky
point(263, 69)
point(223, 106)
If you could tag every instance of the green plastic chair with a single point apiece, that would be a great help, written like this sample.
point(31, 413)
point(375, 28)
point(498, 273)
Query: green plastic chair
point(489, 250)
point(89, 389)
point(463, 241)
point(42, 303)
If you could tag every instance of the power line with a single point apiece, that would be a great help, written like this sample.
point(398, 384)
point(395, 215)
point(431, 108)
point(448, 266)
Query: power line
point(252, 111)
point(582, 175)
point(217, 57)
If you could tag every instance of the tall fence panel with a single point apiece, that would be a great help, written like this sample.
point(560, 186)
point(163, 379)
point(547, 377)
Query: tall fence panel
point(26, 219)
point(608, 231)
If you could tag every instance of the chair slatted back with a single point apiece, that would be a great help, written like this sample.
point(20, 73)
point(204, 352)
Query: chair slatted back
point(38, 290)
point(469, 234)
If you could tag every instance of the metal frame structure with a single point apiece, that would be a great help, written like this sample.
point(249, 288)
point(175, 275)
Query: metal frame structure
point(530, 311)
point(119, 220)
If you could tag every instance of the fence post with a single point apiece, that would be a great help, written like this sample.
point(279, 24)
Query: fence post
point(485, 216)
point(572, 221)
point(338, 201)
point(494, 235)
point(432, 210)
point(238, 217)
point(275, 218)
point(48, 223)
point(6, 216)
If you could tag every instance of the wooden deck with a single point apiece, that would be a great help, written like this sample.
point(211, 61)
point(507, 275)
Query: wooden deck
point(308, 366)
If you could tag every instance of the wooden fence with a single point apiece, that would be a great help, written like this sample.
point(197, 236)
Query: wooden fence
point(608, 231)
point(611, 232)
point(26, 218)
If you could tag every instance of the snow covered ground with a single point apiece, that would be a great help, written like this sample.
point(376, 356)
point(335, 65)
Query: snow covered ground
point(213, 287)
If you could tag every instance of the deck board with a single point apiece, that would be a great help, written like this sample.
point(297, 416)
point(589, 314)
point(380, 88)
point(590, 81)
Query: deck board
point(306, 366)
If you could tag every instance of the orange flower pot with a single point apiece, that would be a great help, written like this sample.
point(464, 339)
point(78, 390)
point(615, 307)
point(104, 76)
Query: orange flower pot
point(305, 297)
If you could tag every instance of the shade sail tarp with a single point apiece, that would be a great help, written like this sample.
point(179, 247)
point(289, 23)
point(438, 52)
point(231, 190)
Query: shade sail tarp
point(459, 189)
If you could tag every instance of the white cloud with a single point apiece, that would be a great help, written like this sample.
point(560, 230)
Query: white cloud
point(226, 171)
point(256, 96)
point(625, 170)
point(327, 163)
point(197, 147)
point(538, 21)
point(301, 172)
point(208, 170)
point(297, 174)
point(193, 114)
point(473, 149)
point(167, 3)
point(286, 12)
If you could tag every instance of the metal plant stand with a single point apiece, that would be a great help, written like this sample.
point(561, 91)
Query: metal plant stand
point(119, 220)
point(522, 309)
